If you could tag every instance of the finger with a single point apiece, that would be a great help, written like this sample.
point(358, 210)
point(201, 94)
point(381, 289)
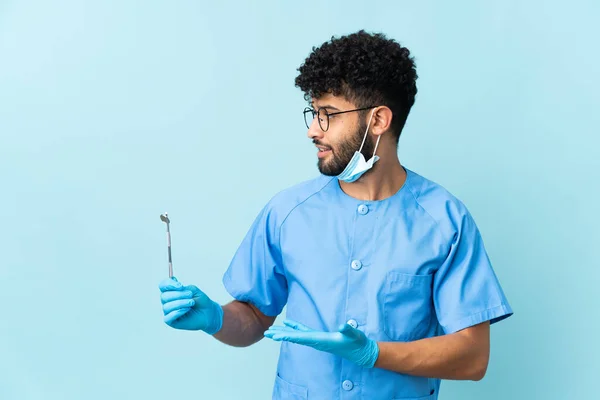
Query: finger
point(269, 333)
point(302, 340)
point(169, 284)
point(281, 328)
point(278, 331)
point(174, 315)
point(297, 337)
point(177, 305)
point(278, 336)
point(297, 325)
point(172, 295)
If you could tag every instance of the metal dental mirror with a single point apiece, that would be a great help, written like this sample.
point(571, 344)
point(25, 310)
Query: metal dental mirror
point(165, 218)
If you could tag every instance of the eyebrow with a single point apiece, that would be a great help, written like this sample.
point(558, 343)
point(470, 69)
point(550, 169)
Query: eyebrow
point(328, 106)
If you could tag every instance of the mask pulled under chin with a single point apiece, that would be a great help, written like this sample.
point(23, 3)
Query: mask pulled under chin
point(358, 165)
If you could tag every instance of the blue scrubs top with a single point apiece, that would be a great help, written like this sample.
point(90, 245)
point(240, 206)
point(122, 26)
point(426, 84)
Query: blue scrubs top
point(408, 267)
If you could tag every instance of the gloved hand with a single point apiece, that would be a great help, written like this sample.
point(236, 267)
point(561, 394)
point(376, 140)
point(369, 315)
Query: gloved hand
point(187, 307)
point(347, 342)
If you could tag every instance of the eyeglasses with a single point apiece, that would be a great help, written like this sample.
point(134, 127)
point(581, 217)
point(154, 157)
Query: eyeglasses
point(310, 113)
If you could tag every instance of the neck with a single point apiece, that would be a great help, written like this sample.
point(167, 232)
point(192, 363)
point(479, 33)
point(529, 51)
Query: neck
point(382, 181)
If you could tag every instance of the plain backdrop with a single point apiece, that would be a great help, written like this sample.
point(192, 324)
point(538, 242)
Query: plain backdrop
point(113, 112)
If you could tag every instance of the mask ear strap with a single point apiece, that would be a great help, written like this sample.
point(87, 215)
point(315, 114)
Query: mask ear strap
point(367, 131)
point(376, 144)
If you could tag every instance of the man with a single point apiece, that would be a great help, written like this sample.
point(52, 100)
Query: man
point(387, 283)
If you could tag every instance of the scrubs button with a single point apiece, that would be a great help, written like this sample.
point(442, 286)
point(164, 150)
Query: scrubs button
point(347, 385)
point(356, 265)
point(352, 323)
point(362, 209)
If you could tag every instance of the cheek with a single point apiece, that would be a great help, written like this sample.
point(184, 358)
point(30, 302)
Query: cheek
point(336, 138)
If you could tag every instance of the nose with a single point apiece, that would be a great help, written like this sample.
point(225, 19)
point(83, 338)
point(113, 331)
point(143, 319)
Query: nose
point(315, 131)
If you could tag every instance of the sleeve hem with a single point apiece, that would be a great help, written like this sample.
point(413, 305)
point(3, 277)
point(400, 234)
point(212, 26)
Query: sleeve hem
point(495, 314)
point(246, 299)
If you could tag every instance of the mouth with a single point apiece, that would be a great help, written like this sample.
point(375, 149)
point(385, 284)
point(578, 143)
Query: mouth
point(323, 151)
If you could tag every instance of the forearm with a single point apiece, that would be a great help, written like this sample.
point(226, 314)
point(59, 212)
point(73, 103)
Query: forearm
point(455, 356)
point(241, 325)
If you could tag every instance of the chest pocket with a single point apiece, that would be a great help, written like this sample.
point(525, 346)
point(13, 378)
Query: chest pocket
point(407, 305)
point(285, 390)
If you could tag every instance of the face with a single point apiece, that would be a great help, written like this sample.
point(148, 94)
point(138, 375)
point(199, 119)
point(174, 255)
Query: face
point(344, 136)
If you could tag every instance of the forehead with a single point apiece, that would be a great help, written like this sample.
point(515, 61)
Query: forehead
point(329, 100)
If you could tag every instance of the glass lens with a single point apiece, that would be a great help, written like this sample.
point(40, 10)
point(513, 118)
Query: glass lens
point(323, 119)
point(308, 116)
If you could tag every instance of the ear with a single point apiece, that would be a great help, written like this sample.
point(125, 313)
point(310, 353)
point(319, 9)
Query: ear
point(382, 120)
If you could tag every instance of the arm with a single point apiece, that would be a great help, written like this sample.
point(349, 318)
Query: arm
point(243, 324)
point(238, 323)
point(462, 355)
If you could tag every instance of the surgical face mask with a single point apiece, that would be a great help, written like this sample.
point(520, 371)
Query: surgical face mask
point(358, 165)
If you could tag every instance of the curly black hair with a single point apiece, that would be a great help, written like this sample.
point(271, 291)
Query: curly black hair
point(367, 69)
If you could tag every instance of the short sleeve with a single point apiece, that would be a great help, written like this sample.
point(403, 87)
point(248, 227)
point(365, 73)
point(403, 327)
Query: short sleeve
point(255, 274)
point(466, 290)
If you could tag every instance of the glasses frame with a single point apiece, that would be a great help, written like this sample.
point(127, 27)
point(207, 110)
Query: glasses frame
point(327, 114)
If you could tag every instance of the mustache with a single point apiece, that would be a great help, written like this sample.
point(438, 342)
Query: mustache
point(319, 143)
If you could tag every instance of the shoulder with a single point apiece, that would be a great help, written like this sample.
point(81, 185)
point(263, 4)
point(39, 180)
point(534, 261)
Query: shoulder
point(286, 200)
point(446, 210)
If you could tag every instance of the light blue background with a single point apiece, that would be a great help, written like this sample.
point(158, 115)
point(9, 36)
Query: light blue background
point(114, 112)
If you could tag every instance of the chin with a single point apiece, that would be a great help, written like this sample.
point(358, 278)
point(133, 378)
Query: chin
point(326, 170)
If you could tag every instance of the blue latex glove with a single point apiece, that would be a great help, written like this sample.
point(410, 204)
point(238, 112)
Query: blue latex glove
point(187, 307)
point(347, 342)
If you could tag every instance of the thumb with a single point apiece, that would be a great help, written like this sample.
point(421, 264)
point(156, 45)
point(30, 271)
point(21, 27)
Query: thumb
point(349, 331)
point(194, 289)
point(202, 298)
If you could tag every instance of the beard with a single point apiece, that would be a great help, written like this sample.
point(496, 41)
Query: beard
point(342, 153)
